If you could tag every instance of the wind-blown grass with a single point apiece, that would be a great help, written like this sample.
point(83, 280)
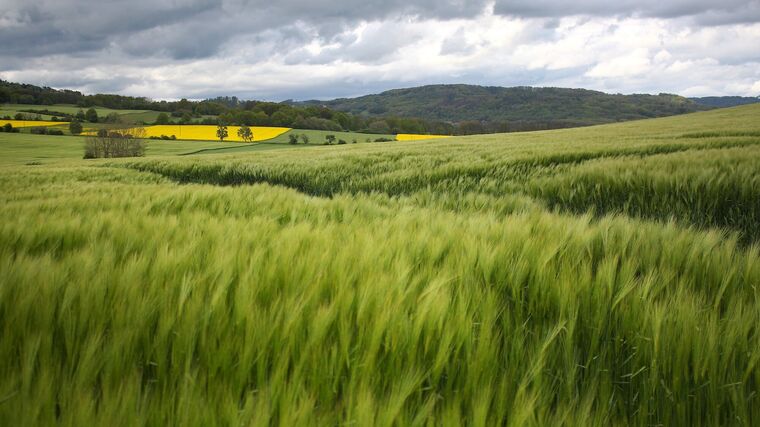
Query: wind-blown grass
point(440, 283)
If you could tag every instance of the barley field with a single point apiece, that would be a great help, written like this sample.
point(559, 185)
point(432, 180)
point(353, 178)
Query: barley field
point(596, 276)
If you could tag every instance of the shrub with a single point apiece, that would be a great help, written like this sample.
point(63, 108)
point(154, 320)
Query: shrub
point(382, 140)
point(112, 118)
point(292, 139)
point(75, 127)
point(8, 127)
point(91, 115)
point(341, 142)
point(55, 132)
point(39, 130)
point(115, 143)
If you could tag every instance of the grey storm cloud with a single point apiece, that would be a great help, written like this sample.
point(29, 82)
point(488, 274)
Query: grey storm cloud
point(302, 48)
point(186, 29)
point(704, 12)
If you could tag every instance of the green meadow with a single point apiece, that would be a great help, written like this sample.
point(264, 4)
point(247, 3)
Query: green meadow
point(605, 275)
point(132, 116)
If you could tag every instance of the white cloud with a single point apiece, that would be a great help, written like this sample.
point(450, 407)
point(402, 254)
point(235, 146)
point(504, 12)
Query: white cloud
point(299, 59)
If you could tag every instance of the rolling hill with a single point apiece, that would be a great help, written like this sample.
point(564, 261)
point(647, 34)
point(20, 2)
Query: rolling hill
point(456, 103)
point(726, 101)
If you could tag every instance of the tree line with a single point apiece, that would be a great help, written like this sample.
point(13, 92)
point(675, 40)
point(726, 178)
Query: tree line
point(233, 111)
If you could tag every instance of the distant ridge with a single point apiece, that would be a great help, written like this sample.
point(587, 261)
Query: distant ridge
point(726, 101)
point(456, 103)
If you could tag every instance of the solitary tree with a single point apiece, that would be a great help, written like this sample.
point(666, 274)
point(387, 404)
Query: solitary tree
point(245, 133)
point(80, 116)
point(221, 132)
point(329, 139)
point(305, 138)
point(292, 139)
point(162, 119)
point(91, 115)
point(75, 127)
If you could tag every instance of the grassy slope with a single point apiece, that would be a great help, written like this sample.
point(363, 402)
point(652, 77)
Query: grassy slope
point(316, 138)
point(20, 148)
point(135, 116)
point(435, 286)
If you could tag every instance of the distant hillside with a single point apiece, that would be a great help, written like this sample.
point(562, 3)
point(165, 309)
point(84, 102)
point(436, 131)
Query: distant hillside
point(456, 103)
point(726, 101)
point(437, 109)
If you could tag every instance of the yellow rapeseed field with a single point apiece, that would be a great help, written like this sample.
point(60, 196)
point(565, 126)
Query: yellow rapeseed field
point(417, 137)
point(208, 132)
point(30, 123)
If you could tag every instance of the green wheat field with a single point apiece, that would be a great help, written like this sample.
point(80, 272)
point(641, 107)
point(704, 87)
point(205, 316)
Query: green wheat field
point(604, 275)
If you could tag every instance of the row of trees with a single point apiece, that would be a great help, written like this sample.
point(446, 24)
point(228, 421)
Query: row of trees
point(91, 116)
point(244, 132)
point(115, 143)
point(232, 111)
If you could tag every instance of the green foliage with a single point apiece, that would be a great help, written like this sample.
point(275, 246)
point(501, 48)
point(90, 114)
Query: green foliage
point(521, 106)
point(726, 101)
point(115, 143)
point(221, 132)
point(91, 115)
point(162, 119)
point(75, 127)
point(113, 118)
point(522, 279)
point(244, 132)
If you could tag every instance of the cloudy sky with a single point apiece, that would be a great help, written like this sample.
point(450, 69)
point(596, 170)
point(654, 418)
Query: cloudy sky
point(304, 49)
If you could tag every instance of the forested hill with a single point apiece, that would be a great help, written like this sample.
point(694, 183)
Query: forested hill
point(726, 101)
point(456, 103)
point(437, 109)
